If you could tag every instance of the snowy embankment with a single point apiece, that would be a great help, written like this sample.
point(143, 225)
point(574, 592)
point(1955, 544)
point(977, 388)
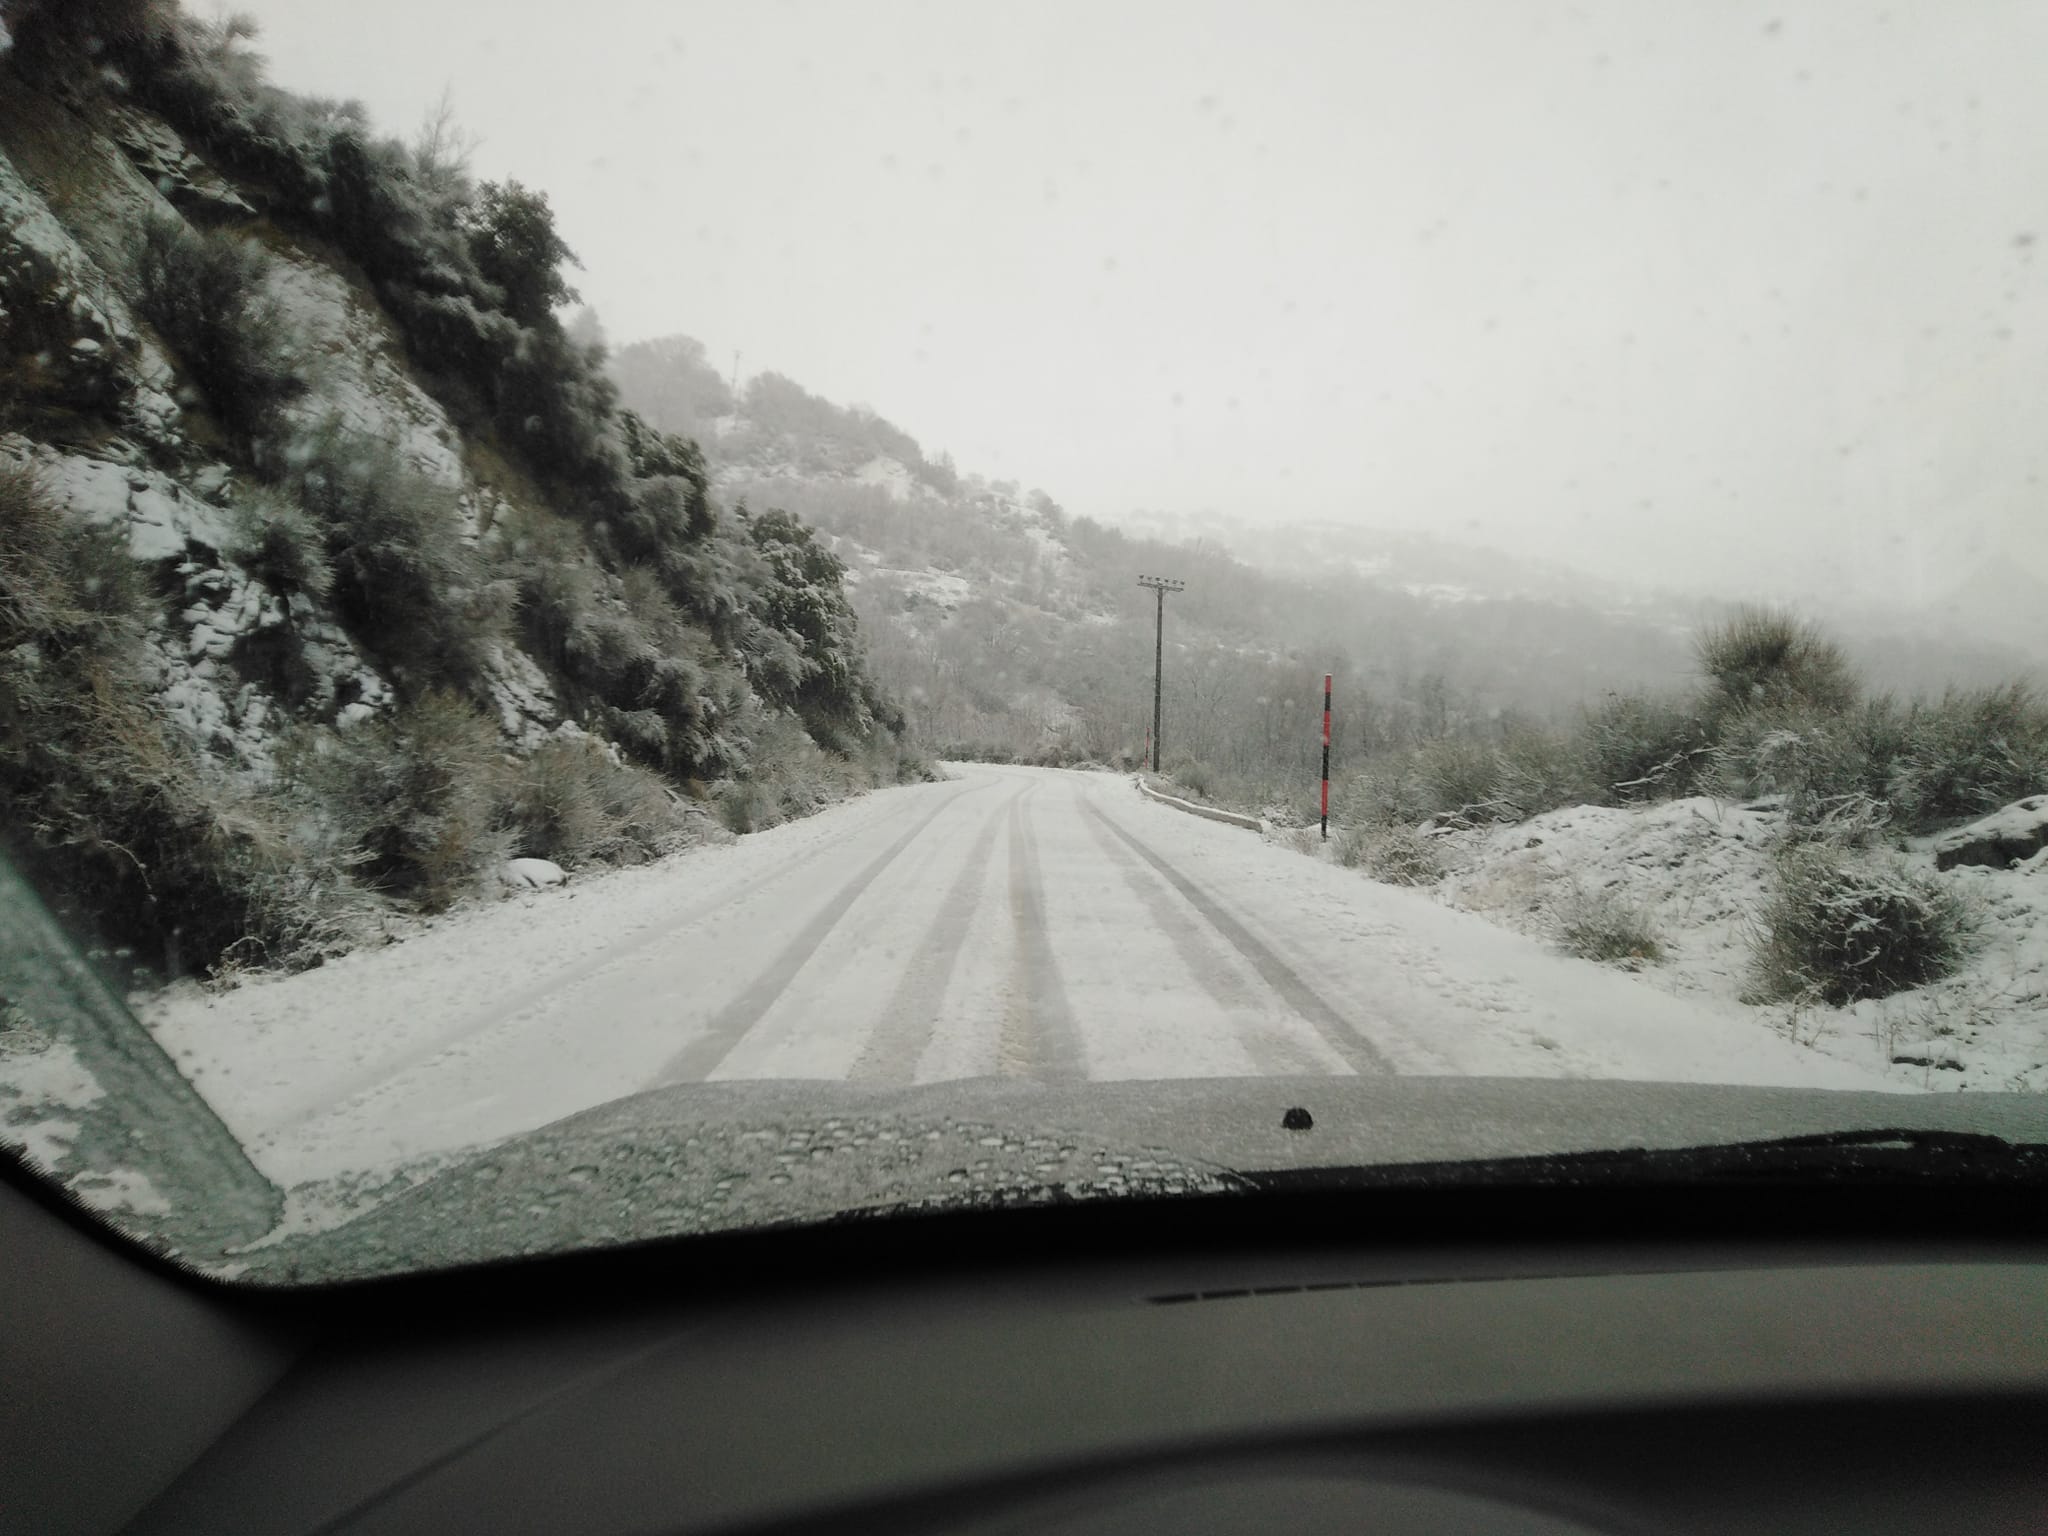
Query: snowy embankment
point(1698, 869)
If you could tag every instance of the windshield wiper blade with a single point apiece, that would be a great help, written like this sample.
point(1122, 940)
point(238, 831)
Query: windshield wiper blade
point(1892, 1155)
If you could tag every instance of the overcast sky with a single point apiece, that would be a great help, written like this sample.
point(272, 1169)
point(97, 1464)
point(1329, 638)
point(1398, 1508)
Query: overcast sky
point(1713, 295)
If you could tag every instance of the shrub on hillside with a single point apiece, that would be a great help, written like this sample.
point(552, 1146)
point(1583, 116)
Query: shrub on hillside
point(1602, 925)
point(406, 581)
point(1540, 770)
point(115, 809)
point(1838, 929)
point(207, 296)
point(1764, 658)
point(1828, 768)
point(569, 801)
point(1396, 855)
point(416, 796)
point(281, 543)
point(1970, 753)
point(1460, 782)
point(746, 806)
point(1642, 747)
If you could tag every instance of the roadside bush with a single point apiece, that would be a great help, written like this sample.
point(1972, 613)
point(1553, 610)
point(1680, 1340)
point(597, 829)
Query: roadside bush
point(1539, 770)
point(1974, 751)
point(1838, 929)
point(39, 594)
point(415, 796)
point(1386, 793)
point(1827, 768)
point(118, 813)
point(1395, 855)
point(206, 295)
point(278, 541)
point(745, 806)
point(621, 643)
point(406, 581)
point(1602, 925)
point(1764, 658)
point(802, 777)
point(1641, 747)
point(570, 802)
point(892, 760)
point(1460, 782)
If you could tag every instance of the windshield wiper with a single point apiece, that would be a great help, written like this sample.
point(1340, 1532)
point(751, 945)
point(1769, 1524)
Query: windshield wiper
point(1900, 1155)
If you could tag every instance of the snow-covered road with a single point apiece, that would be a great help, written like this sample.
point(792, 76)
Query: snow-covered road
point(1008, 922)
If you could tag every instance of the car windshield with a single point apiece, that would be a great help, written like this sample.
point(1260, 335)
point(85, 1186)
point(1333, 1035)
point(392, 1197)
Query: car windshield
point(676, 617)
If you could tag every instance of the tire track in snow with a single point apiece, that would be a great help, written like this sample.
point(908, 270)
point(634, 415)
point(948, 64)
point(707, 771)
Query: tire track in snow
point(507, 1012)
point(1269, 1047)
point(912, 1015)
point(700, 1058)
point(1039, 1038)
point(1339, 1035)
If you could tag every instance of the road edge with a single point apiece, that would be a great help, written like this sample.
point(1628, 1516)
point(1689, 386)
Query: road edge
point(1209, 812)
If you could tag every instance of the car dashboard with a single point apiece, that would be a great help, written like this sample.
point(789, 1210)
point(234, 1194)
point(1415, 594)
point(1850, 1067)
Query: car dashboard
point(1565, 1362)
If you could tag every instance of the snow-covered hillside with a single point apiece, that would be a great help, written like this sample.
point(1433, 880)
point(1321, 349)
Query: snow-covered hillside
point(331, 575)
point(983, 600)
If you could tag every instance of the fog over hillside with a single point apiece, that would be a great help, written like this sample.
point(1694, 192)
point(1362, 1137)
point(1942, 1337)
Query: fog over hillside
point(1008, 626)
point(1734, 299)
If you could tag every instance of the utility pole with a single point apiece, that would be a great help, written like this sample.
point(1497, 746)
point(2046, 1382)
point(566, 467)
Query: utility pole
point(1161, 585)
point(1326, 757)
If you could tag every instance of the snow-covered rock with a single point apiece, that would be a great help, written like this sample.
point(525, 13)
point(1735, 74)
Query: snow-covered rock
point(890, 476)
point(58, 318)
point(360, 378)
point(531, 874)
point(154, 148)
point(1999, 841)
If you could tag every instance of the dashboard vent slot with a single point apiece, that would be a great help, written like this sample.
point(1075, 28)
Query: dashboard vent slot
point(1239, 1293)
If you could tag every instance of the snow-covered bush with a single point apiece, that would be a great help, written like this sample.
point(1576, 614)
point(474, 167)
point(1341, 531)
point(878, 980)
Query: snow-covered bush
point(208, 297)
point(415, 796)
point(1385, 793)
point(570, 802)
point(407, 583)
point(1763, 657)
point(98, 793)
point(1603, 925)
point(664, 691)
point(1396, 855)
point(1540, 770)
point(1970, 753)
point(1838, 928)
point(1461, 781)
point(1469, 781)
point(1827, 767)
point(746, 806)
point(1643, 746)
point(278, 541)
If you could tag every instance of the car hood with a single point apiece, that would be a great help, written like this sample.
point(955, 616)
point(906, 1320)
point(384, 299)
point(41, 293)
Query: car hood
point(717, 1157)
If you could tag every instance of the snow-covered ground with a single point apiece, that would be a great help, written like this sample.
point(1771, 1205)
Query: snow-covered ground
point(1698, 869)
point(1008, 922)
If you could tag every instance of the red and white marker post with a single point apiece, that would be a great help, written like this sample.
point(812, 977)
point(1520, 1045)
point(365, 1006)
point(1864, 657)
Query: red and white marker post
point(1326, 757)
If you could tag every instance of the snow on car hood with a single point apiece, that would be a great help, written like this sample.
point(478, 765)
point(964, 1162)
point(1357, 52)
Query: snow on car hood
point(704, 1158)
